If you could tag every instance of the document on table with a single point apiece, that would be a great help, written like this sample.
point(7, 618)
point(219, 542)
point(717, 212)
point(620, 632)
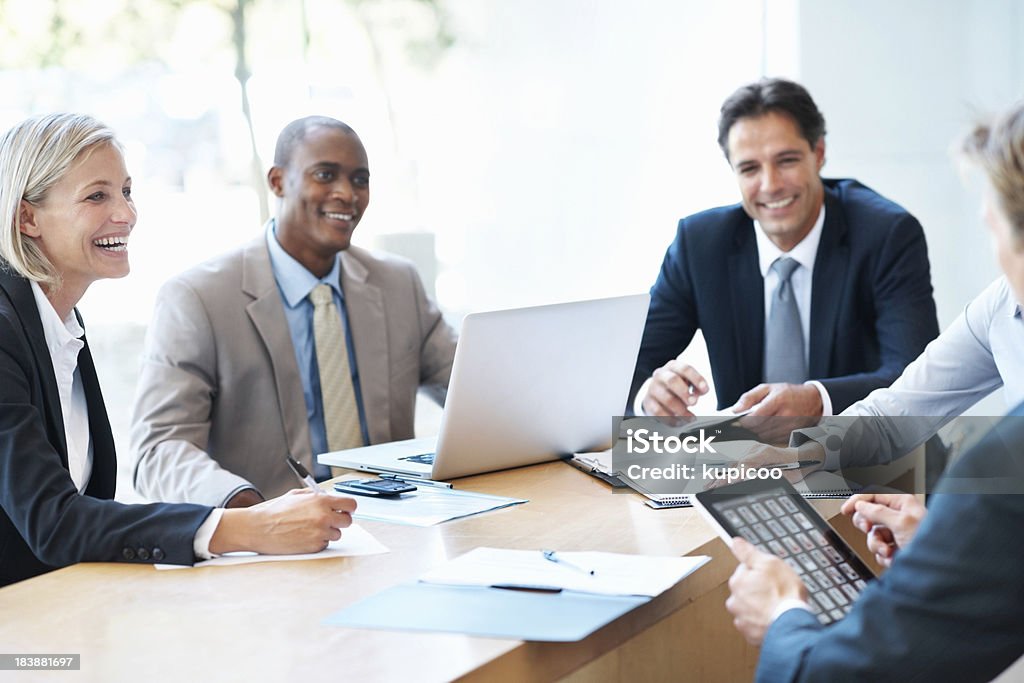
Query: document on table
point(466, 596)
point(354, 540)
point(613, 573)
point(681, 425)
point(427, 506)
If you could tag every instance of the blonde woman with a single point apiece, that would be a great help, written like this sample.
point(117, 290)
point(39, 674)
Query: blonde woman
point(67, 216)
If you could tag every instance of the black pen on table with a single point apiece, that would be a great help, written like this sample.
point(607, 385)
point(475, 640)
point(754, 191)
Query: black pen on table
point(302, 473)
point(799, 464)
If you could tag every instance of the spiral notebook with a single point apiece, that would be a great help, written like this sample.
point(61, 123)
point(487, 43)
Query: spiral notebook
point(819, 485)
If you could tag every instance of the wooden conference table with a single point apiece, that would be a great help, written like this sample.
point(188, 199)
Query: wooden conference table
point(262, 622)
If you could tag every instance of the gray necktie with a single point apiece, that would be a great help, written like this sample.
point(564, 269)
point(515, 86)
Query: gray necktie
point(341, 414)
point(784, 337)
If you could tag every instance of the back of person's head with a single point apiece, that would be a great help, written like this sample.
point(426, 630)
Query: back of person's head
point(771, 95)
point(296, 131)
point(34, 156)
point(998, 148)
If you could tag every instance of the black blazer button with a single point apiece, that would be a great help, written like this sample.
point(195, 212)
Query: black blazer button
point(128, 554)
point(143, 554)
point(158, 554)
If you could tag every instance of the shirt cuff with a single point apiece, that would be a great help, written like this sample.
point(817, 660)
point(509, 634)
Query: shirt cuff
point(204, 534)
point(826, 402)
point(238, 489)
point(638, 402)
point(788, 604)
point(820, 435)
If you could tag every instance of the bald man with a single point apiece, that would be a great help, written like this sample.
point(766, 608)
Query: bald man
point(232, 377)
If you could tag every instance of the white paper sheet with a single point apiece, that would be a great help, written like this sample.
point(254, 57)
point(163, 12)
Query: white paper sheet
point(613, 573)
point(354, 540)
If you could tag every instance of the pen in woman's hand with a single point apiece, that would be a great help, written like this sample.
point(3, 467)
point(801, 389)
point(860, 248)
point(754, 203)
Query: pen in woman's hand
point(302, 473)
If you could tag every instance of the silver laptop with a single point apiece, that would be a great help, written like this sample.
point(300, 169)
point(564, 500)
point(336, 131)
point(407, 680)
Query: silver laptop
point(528, 385)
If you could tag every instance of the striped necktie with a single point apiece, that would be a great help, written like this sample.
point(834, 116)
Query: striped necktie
point(341, 414)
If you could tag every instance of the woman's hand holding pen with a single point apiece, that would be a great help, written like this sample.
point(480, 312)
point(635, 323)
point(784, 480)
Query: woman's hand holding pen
point(301, 521)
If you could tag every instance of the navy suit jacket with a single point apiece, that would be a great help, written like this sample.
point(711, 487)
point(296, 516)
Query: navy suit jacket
point(872, 310)
point(44, 522)
point(951, 607)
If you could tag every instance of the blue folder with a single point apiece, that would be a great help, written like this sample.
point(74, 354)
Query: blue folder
point(492, 612)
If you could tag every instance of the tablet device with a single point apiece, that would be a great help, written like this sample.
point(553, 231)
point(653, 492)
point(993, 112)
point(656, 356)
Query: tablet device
point(771, 514)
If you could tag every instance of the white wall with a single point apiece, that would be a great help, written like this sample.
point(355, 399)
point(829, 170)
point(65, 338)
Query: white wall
point(898, 82)
point(563, 140)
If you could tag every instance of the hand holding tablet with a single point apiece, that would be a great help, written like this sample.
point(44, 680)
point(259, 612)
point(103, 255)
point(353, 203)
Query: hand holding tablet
point(772, 516)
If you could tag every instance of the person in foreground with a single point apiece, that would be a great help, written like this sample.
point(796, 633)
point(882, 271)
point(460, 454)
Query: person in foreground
point(951, 606)
point(67, 212)
point(311, 343)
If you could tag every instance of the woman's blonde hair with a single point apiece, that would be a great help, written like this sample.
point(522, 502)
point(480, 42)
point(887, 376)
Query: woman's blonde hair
point(998, 148)
point(35, 155)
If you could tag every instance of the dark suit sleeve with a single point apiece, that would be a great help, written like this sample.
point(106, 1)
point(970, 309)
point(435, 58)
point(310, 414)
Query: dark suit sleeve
point(59, 526)
point(672, 316)
point(905, 319)
point(951, 608)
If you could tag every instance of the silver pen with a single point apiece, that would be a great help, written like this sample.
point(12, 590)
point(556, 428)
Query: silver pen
point(416, 481)
point(552, 556)
point(303, 474)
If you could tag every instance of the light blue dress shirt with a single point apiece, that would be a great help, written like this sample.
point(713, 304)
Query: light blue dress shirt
point(981, 351)
point(295, 283)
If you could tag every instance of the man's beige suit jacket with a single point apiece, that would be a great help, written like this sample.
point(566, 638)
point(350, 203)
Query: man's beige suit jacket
point(219, 400)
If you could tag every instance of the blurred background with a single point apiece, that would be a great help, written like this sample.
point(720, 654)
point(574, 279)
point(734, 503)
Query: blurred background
point(521, 152)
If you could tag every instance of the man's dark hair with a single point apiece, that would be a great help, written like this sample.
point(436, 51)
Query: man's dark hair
point(296, 131)
point(771, 95)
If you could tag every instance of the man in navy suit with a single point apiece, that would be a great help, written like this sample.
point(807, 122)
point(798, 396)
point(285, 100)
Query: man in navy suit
point(857, 292)
point(951, 607)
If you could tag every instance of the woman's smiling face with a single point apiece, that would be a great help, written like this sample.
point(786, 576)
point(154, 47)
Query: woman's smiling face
point(83, 224)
